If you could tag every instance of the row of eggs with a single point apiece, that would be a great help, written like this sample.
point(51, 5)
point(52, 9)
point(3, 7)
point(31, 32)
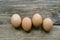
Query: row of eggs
point(37, 21)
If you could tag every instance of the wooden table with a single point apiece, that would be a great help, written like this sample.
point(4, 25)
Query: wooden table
point(47, 8)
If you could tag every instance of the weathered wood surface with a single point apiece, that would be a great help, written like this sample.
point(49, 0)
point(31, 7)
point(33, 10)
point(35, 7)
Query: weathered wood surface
point(47, 8)
point(7, 32)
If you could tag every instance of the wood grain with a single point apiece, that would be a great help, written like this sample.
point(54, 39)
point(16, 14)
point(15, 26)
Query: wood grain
point(47, 8)
point(7, 32)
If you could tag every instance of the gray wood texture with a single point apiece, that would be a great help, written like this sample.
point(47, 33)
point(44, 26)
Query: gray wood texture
point(7, 32)
point(47, 8)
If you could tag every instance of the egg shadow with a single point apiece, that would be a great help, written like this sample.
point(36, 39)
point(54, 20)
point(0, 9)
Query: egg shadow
point(34, 28)
point(18, 28)
point(26, 31)
point(44, 30)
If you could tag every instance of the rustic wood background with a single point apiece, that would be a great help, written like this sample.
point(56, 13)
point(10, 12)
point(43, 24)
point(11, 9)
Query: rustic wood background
point(47, 8)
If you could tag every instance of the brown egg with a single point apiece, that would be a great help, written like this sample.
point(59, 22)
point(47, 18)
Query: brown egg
point(26, 24)
point(37, 20)
point(16, 20)
point(47, 24)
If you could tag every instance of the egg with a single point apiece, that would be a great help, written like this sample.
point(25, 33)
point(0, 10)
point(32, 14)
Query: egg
point(26, 24)
point(16, 20)
point(37, 20)
point(47, 24)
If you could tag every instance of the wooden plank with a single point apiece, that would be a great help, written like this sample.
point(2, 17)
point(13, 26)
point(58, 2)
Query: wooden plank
point(47, 8)
point(7, 32)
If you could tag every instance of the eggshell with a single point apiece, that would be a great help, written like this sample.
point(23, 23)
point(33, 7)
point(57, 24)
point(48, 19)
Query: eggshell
point(26, 24)
point(37, 20)
point(47, 24)
point(16, 20)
